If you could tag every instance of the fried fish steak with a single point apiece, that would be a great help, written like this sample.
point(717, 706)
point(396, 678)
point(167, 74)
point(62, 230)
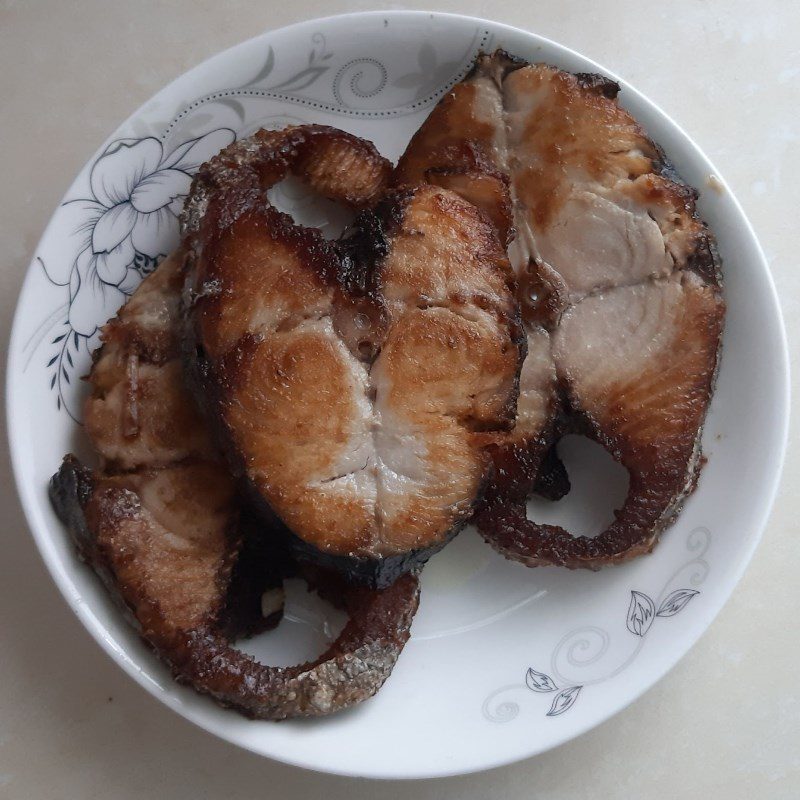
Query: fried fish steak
point(620, 289)
point(165, 547)
point(162, 524)
point(354, 384)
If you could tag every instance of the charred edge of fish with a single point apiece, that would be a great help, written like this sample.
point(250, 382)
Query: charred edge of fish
point(599, 84)
point(552, 482)
point(69, 491)
point(500, 62)
point(363, 243)
point(505, 526)
point(350, 671)
point(377, 573)
point(705, 258)
point(263, 564)
point(530, 465)
point(373, 573)
point(651, 505)
point(247, 167)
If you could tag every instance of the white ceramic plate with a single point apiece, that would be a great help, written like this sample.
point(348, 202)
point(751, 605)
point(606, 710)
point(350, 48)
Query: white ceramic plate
point(505, 662)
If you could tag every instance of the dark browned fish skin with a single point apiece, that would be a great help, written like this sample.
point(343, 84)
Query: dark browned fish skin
point(353, 384)
point(605, 230)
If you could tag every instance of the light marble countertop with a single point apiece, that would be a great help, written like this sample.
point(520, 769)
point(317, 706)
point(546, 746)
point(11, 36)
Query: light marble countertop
point(725, 720)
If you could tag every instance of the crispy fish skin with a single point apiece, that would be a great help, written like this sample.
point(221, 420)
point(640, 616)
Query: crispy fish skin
point(648, 415)
point(336, 164)
point(605, 231)
point(353, 384)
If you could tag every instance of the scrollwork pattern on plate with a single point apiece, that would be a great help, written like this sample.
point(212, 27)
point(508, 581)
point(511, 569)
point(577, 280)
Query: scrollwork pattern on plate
point(500, 710)
point(355, 81)
point(588, 645)
point(362, 78)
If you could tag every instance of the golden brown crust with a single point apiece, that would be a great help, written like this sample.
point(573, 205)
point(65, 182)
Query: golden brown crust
point(263, 271)
point(162, 527)
point(649, 419)
point(338, 165)
point(169, 538)
point(351, 670)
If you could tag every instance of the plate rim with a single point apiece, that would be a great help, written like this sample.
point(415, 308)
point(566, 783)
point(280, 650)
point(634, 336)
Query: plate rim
point(40, 531)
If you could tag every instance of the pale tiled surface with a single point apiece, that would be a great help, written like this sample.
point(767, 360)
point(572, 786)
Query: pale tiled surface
point(726, 721)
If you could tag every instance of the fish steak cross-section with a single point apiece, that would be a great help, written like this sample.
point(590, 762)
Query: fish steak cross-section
point(619, 285)
point(354, 384)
